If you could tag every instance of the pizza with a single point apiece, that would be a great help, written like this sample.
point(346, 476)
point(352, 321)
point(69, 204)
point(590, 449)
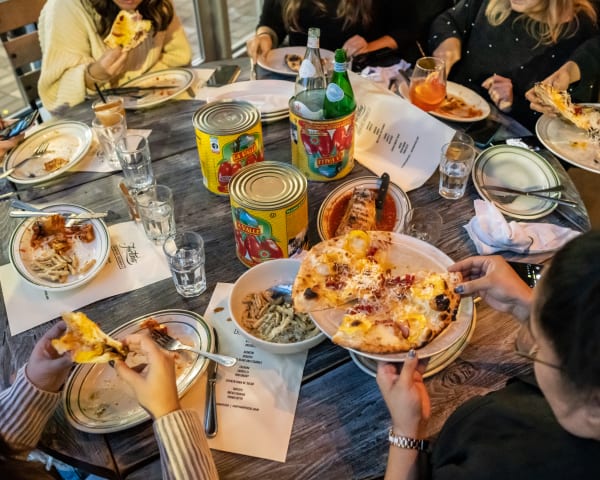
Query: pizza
point(456, 106)
point(87, 342)
point(293, 61)
point(584, 117)
point(383, 311)
point(128, 30)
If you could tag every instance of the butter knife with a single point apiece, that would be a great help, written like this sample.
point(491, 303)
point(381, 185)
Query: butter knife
point(210, 412)
point(381, 193)
point(68, 216)
point(498, 189)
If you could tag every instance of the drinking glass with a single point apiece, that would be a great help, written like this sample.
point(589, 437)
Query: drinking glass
point(423, 223)
point(108, 136)
point(106, 109)
point(428, 83)
point(156, 211)
point(185, 254)
point(133, 153)
point(455, 166)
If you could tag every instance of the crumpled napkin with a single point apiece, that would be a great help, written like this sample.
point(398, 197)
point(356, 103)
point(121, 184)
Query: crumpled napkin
point(383, 75)
point(491, 233)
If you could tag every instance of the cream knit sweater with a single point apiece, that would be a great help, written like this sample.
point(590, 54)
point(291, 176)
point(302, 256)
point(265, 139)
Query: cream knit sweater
point(70, 42)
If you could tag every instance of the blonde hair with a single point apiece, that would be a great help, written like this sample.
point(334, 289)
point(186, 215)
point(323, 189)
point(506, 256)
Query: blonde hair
point(353, 12)
point(548, 21)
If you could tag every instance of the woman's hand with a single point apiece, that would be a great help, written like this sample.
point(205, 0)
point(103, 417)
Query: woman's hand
point(449, 51)
point(500, 90)
point(156, 391)
point(561, 79)
point(495, 281)
point(6, 145)
point(355, 46)
point(405, 395)
point(46, 369)
point(259, 45)
point(109, 66)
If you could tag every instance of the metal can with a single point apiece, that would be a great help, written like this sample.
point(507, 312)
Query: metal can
point(229, 137)
point(269, 206)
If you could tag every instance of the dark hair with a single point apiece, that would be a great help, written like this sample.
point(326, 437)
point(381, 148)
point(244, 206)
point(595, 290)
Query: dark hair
point(159, 12)
point(569, 310)
point(14, 468)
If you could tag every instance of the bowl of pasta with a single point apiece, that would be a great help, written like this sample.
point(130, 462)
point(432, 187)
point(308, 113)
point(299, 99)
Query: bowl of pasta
point(261, 307)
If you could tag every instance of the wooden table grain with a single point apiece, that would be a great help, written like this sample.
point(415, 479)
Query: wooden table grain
point(341, 421)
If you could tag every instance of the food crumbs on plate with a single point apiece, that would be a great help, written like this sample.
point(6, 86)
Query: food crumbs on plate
point(218, 309)
point(228, 319)
point(578, 144)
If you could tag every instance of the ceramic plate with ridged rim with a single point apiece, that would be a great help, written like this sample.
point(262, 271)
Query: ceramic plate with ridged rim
point(274, 61)
point(469, 97)
point(177, 79)
point(409, 255)
point(519, 168)
point(22, 254)
point(96, 400)
point(68, 140)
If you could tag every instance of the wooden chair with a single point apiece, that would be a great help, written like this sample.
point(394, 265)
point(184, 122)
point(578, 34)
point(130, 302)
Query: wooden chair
point(19, 35)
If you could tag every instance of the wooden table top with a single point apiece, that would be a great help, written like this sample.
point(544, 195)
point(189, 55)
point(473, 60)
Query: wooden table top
point(341, 422)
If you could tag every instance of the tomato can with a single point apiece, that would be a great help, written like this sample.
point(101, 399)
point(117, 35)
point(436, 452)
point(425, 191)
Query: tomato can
point(229, 137)
point(269, 206)
point(322, 149)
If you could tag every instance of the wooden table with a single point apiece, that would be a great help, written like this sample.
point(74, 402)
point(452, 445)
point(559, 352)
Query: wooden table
point(341, 420)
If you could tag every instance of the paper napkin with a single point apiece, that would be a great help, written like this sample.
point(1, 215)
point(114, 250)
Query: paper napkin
point(491, 233)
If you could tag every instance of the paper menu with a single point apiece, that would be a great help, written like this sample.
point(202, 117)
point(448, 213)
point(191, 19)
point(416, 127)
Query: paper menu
point(256, 398)
point(394, 136)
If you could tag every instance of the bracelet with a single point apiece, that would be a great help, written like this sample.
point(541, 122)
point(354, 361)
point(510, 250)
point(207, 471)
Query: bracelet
point(401, 441)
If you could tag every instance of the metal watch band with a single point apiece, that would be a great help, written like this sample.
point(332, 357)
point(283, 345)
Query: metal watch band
point(401, 441)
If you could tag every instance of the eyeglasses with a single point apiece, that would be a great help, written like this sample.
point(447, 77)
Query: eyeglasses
point(532, 355)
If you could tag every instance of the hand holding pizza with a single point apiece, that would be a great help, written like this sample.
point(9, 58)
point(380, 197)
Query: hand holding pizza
point(494, 280)
point(560, 80)
point(156, 391)
point(110, 65)
point(46, 368)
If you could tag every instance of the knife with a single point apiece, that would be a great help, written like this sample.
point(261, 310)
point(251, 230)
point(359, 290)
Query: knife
point(210, 412)
point(118, 90)
point(68, 216)
point(560, 201)
point(381, 193)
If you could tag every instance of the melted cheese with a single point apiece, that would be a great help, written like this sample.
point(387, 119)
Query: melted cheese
point(355, 323)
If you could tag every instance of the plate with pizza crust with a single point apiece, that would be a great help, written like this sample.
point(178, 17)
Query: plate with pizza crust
point(462, 105)
point(568, 142)
point(68, 142)
point(96, 400)
point(275, 60)
point(408, 255)
point(175, 81)
point(91, 256)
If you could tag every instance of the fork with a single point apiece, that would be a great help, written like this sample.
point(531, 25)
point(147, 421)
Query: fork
point(169, 343)
point(37, 153)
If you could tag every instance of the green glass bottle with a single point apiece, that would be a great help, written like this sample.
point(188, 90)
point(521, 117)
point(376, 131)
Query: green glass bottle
point(339, 97)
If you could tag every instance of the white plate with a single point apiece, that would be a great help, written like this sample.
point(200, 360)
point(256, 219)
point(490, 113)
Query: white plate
point(66, 139)
point(269, 96)
point(468, 96)
point(515, 167)
point(568, 142)
point(179, 78)
point(21, 253)
point(274, 61)
point(96, 400)
point(401, 202)
point(409, 255)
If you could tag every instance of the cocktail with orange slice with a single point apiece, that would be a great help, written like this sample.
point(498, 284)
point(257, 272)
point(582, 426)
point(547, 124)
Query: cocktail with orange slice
point(428, 83)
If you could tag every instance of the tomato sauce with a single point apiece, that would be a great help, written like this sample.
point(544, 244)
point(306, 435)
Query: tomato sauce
point(388, 219)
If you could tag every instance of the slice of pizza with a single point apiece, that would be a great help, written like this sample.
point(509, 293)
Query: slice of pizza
point(128, 30)
point(87, 342)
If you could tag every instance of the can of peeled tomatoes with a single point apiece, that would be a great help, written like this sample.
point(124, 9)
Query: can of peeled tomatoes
point(229, 137)
point(269, 206)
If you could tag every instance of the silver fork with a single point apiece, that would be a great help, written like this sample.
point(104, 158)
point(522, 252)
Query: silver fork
point(41, 149)
point(169, 343)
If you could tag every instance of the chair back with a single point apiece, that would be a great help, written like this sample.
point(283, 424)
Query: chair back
point(19, 35)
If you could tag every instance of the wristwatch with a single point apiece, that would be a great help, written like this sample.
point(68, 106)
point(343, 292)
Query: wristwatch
point(401, 441)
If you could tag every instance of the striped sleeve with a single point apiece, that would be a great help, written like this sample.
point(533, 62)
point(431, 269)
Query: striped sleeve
point(184, 450)
point(24, 412)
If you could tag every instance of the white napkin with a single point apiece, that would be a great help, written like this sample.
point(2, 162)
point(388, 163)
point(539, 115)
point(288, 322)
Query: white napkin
point(383, 75)
point(491, 233)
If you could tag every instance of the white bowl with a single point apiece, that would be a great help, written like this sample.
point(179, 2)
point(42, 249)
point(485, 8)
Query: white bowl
point(258, 278)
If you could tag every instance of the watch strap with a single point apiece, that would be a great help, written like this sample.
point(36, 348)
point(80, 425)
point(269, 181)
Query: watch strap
point(401, 441)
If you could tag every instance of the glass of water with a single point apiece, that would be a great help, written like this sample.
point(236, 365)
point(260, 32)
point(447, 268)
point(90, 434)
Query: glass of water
point(185, 253)
point(156, 211)
point(455, 166)
point(133, 153)
point(423, 223)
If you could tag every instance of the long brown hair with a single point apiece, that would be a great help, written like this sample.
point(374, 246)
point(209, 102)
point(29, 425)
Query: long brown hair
point(159, 12)
point(353, 12)
point(548, 21)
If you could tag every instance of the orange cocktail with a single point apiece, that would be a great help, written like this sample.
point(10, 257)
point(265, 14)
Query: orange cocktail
point(428, 83)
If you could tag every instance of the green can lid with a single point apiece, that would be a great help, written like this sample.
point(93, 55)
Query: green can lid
point(226, 117)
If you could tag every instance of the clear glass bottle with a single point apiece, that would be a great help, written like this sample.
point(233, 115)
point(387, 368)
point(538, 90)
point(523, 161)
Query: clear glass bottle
point(339, 96)
point(311, 81)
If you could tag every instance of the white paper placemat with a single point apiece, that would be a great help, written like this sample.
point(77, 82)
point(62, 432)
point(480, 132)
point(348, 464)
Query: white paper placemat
point(134, 262)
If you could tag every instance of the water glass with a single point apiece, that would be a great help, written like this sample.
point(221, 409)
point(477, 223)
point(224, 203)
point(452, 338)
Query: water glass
point(428, 83)
point(455, 166)
point(108, 136)
point(463, 137)
point(133, 153)
point(106, 111)
point(423, 223)
point(156, 211)
point(185, 254)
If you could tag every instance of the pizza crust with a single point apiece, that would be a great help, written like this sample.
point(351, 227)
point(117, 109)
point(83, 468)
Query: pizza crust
point(293, 61)
point(128, 31)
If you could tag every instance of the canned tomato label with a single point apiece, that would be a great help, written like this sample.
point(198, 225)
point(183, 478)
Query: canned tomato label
point(269, 206)
point(229, 137)
point(322, 149)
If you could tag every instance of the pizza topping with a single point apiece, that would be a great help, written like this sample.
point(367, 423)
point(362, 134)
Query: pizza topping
point(311, 294)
